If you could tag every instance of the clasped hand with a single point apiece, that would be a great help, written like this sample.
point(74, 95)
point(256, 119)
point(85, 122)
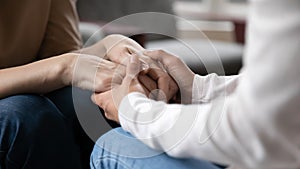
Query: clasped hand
point(102, 67)
point(110, 100)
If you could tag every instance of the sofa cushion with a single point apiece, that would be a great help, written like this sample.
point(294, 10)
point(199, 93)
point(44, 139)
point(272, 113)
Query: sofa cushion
point(204, 56)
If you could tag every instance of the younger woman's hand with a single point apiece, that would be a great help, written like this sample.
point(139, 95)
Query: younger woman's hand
point(93, 73)
point(109, 101)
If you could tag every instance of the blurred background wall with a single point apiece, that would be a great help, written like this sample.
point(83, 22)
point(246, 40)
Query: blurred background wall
point(222, 21)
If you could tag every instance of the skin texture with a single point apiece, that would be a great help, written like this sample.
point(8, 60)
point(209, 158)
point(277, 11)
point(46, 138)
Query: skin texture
point(110, 100)
point(178, 70)
point(96, 73)
point(119, 49)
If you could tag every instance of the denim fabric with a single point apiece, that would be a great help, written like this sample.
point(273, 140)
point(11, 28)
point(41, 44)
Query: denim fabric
point(119, 150)
point(63, 100)
point(36, 134)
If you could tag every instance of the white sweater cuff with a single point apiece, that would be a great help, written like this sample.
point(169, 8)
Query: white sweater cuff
point(197, 91)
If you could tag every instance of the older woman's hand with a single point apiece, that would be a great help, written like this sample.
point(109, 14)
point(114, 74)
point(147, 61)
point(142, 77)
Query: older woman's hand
point(179, 71)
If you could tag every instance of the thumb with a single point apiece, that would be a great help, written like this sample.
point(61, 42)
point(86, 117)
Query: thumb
point(133, 68)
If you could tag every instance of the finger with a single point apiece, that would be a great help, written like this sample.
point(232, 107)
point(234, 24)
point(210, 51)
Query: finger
point(97, 98)
point(163, 85)
point(118, 75)
point(133, 49)
point(166, 59)
point(154, 73)
point(102, 99)
point(107, 115)
point(133, 69)
point(123, 58)
point(143, 64)
point(148, 62)
point(93, 98)
point(105, 101)
point(147, 82)
point(162, 80)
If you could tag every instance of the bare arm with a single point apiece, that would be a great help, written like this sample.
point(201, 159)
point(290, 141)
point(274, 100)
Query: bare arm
point(61, 35)
point(48, 74)
point(88, 72)
point(38, 77)
point(85, 71)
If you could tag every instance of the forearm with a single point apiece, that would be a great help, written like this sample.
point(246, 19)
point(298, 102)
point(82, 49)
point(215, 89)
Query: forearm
point(257, 125)
point(38, 77)
point(207, 88)
point(223, 131)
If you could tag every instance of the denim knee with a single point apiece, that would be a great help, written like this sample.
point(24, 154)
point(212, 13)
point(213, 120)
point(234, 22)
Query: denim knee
point(22, 115)
point(119, 149)
point(28, 125)
point(103, 156)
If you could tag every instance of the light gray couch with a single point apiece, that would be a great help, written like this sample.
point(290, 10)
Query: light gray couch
point(202, 59)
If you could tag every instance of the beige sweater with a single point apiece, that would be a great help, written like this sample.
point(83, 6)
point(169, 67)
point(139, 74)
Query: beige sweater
point(34, 29)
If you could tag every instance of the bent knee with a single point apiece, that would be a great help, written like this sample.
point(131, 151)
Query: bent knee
point(27, 106)
point(27, 114)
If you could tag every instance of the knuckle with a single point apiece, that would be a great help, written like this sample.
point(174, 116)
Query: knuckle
point(161, 52)
point(174, 61)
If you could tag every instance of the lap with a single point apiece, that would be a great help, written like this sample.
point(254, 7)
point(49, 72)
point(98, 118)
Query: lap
point(28, 110)
point(34, 131)
point(118, 149)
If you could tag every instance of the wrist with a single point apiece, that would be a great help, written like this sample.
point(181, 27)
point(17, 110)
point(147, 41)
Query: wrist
point(188, 89)
point(66, 68)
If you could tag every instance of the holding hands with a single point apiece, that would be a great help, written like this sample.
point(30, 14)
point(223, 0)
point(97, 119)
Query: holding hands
point(114, 67)
point(117, 66)
point(178, 70)
point(106, 61)
point(173, 66)
point(110, 100)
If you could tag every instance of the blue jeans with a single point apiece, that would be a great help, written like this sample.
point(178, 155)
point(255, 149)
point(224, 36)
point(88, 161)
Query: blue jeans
point(36, 133)
point(119, 150)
